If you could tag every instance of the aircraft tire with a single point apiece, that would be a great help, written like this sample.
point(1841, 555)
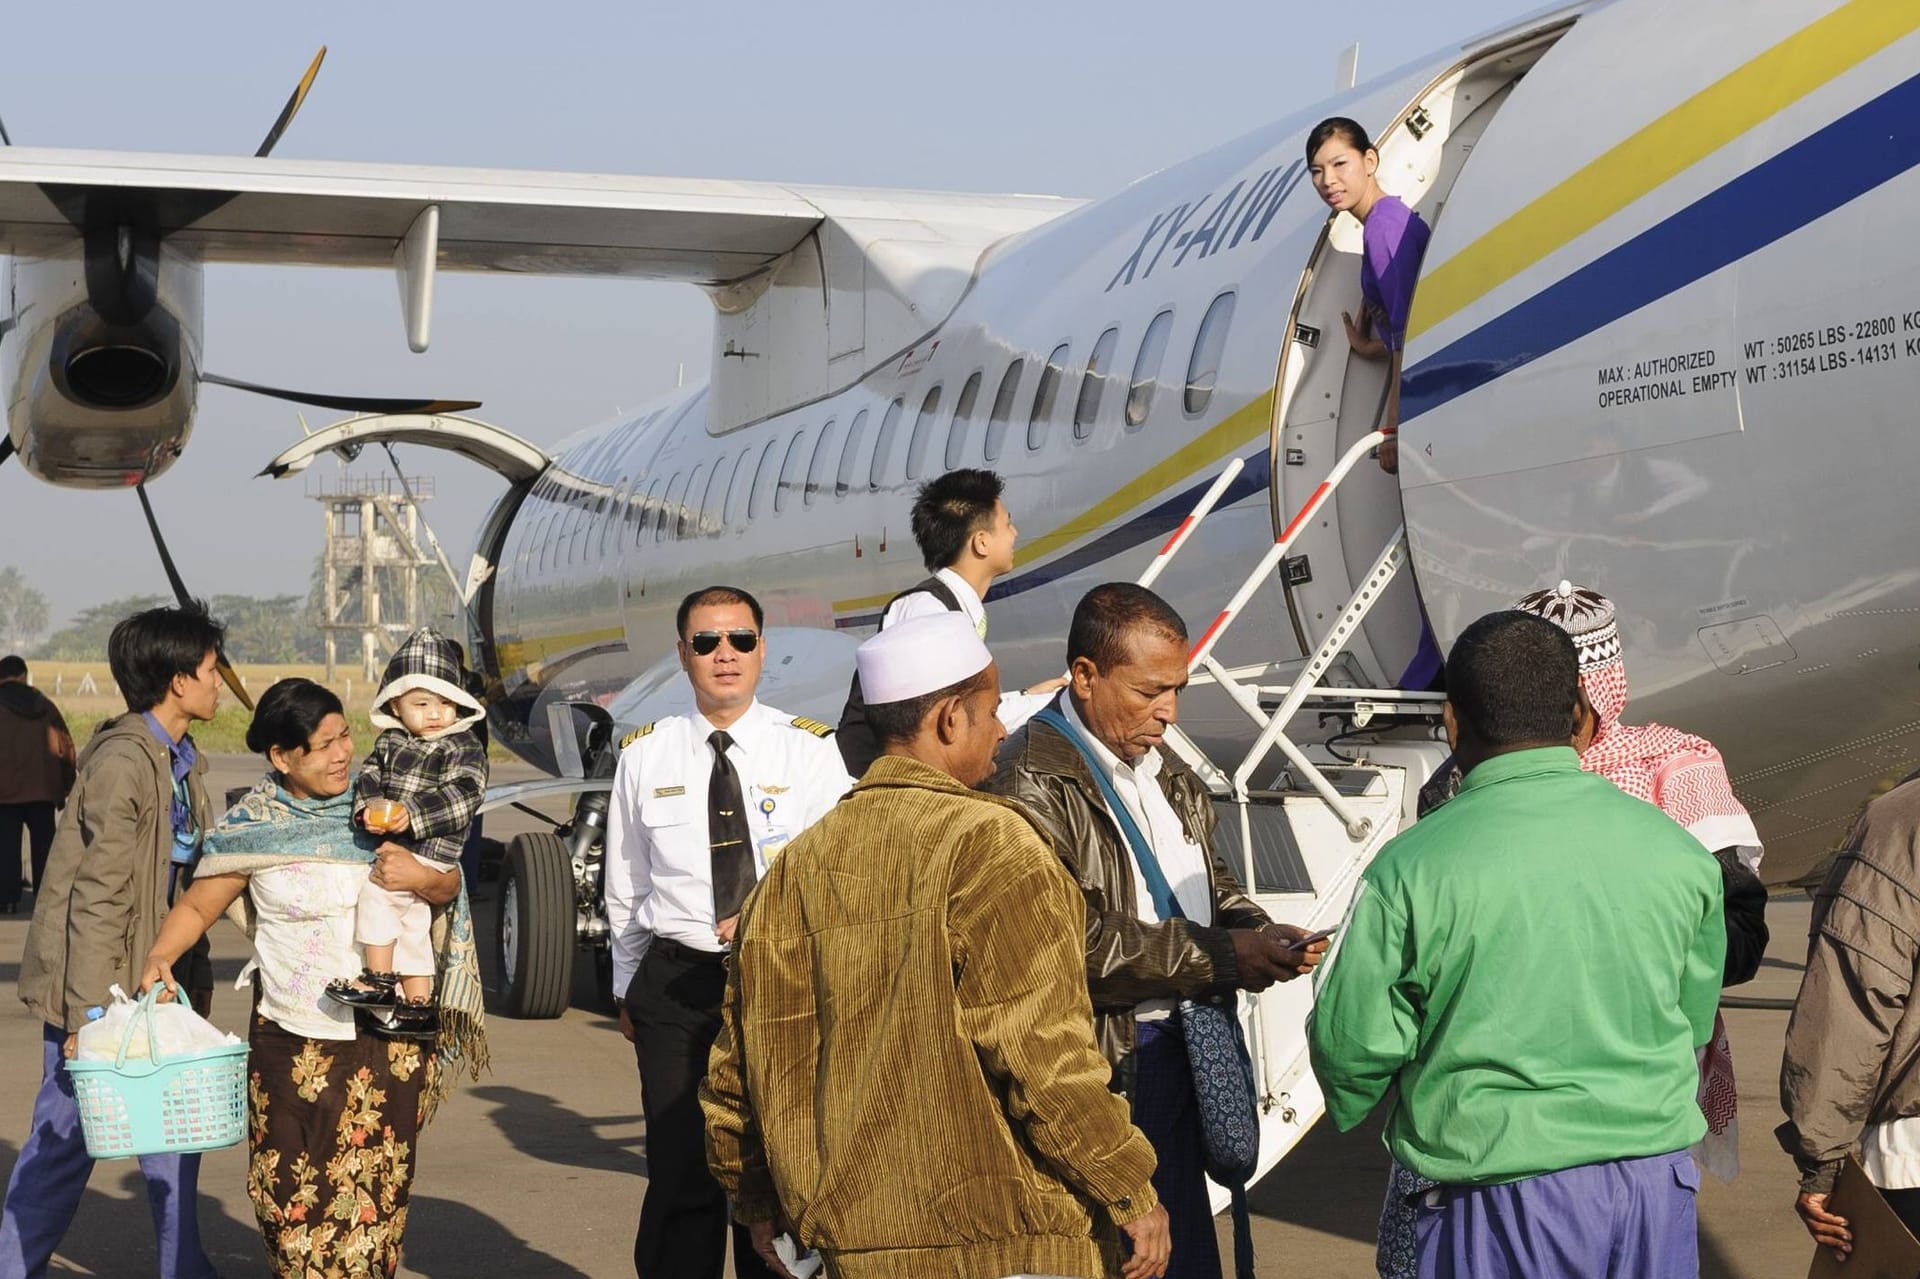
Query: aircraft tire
point(536, 933)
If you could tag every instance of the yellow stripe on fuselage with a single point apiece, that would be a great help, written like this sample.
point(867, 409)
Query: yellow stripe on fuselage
point(1676, 141)
point(1249, 422)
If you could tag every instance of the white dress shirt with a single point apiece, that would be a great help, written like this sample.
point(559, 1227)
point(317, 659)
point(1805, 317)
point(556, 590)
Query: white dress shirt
point(659, 859)
point(1016, 708)
point(1182, 861)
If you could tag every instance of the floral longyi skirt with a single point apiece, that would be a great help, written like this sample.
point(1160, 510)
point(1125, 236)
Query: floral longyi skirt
point(332, 1125)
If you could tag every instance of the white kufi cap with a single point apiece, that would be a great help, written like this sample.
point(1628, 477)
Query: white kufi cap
point(919, 656)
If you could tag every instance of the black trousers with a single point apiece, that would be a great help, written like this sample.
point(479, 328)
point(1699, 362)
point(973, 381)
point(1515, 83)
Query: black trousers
point(37, 820)
point(674, 1002)
point(1906, 1206)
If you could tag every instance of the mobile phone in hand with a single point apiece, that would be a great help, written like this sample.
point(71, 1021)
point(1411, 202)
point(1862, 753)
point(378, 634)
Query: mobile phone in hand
point(1311, 938)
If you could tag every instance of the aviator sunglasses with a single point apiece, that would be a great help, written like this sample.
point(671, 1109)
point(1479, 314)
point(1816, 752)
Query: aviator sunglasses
point(705, 642)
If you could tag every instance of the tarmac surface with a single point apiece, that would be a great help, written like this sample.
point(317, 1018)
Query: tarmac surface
point(537, 1170)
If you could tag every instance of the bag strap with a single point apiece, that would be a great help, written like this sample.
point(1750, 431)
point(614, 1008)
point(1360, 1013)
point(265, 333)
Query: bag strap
point(1165, 904)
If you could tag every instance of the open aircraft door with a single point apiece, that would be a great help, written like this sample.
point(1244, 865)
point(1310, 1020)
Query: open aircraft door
point(517, 462)
point(1328, 398)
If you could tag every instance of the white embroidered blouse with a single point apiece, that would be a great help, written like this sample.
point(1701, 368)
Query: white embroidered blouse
point(303, 939)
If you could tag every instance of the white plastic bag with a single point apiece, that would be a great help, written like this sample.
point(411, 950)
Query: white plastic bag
point(800, 1265)
point(176, 1027)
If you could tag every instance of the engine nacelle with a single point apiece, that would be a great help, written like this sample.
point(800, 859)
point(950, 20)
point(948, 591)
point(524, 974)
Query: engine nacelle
point(102, 360)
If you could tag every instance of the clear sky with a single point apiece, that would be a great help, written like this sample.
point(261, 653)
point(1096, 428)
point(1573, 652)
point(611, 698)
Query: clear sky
point(989, 96)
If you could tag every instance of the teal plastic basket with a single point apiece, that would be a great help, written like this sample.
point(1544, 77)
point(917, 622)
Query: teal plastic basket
point(165, 1105)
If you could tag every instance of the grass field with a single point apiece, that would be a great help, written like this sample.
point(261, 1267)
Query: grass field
point(86, 708)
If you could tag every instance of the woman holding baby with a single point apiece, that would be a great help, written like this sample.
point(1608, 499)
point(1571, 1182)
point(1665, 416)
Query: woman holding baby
point(335, 1110)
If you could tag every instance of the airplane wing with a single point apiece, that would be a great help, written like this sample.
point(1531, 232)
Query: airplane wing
point(233, 209)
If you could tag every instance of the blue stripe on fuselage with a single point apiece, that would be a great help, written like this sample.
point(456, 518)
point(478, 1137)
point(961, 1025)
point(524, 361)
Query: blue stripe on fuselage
point(1843, 161)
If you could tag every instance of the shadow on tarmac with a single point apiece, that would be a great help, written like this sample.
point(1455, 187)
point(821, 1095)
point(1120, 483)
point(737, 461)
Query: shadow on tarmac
point(540, 1126)
point(112, 1233)
point(447, 1239)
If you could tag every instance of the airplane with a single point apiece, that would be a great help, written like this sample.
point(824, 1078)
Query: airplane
point(1662, 343)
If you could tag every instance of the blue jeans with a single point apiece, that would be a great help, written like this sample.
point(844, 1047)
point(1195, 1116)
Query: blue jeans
point(51, 1175)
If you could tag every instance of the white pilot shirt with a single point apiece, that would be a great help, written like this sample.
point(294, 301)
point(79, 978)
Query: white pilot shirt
point(1016, 707)
point(1182, 861)
point(659, 861)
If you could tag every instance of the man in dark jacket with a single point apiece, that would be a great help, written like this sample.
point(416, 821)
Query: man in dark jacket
point(131, 827)
point(1127, 662)
point(36, 772)
point(966, 539)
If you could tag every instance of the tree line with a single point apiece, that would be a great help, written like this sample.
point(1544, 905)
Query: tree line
point(274, 629)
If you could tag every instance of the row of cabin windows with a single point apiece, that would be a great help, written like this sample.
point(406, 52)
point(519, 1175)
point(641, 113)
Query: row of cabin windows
point(705, 505)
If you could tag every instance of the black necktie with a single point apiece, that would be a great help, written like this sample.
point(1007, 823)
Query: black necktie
point(727, 832)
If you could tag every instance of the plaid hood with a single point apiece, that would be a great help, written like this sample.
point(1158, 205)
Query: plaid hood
point(425, 661)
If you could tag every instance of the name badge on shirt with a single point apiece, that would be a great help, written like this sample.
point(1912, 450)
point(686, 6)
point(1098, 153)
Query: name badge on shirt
point(668, 792)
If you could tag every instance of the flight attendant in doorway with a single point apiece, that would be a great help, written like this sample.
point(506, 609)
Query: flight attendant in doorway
point(1343, 164)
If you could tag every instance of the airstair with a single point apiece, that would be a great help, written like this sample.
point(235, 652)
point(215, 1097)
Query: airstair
point(1298, 822)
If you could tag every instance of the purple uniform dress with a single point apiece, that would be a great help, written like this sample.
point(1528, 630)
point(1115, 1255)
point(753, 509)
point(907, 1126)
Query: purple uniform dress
point(1394, 239)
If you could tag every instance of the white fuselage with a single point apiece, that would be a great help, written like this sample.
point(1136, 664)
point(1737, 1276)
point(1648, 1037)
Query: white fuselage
point(1688, 385)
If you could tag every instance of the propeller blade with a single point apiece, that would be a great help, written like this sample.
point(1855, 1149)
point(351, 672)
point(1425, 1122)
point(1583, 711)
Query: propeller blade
point(346, 403)
point(293, 104)
point(185, 597)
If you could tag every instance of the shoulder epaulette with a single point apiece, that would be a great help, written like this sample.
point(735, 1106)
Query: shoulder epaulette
point(635, 735)
point(813, 726)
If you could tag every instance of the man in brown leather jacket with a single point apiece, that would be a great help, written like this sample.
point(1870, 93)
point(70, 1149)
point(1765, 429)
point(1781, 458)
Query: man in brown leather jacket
point(1127, 662)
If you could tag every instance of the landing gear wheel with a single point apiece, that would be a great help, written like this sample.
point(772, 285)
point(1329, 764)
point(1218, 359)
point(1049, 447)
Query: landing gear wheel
point(537, 927)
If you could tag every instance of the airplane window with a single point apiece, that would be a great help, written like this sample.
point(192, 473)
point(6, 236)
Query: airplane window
point(669, 508)
point(790, 474)
point(709, 519)
point(686, 519)
point(762, 477)
point(843, 479)
point(541, 546)
point(817, 469)
point(1146, 369)
point(649, 511)
point(1203, 369)
point(1042, 416)
point(608, 527)
point(883, 444)
point(575, 526)
point(962, 419)
point(1086, 411)
point(737, 488)
point(1003, 409)
point(922, 433)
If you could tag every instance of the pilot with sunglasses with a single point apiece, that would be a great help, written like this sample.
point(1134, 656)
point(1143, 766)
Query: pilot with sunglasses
point(702, 804)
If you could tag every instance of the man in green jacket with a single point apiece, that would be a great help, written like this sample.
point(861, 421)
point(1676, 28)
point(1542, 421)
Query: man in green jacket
point(130, 830)
point(1534, 966)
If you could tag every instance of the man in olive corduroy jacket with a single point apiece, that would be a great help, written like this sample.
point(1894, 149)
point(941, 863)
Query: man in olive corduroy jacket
point(906, 1072)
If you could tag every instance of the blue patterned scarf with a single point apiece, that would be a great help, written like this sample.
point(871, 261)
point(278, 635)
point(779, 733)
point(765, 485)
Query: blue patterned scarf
point(270, 827)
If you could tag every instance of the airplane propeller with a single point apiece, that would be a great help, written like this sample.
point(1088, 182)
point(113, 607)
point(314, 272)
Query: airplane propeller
point(185, 596)
point(347, 403)
point(290, 110)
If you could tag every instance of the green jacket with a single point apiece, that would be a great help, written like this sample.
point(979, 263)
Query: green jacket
point(106, 891)
point(1534, 965)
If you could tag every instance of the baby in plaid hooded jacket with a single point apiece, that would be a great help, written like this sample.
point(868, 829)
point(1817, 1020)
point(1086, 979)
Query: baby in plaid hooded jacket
point(423, 781)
